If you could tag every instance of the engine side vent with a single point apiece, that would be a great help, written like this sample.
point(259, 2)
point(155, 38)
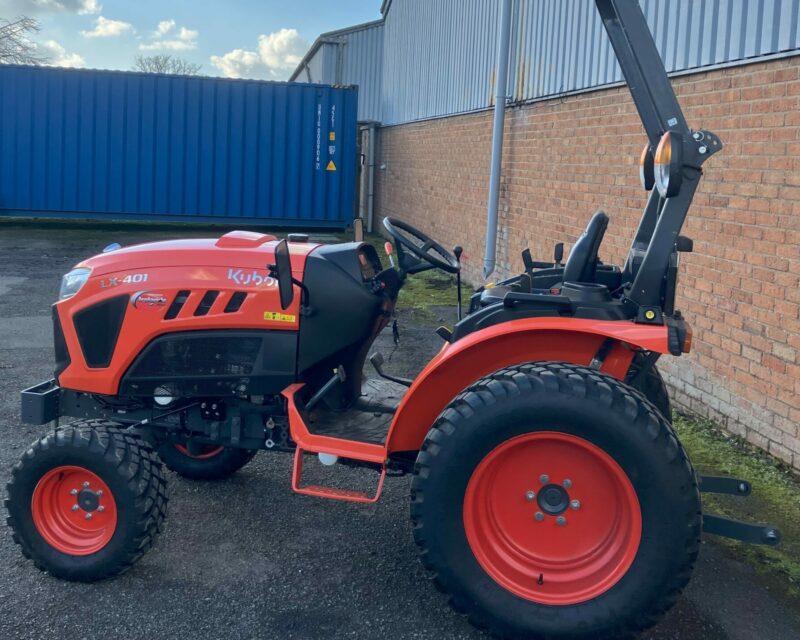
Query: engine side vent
point(177, 305)
point(205, 304)
point(236, 301)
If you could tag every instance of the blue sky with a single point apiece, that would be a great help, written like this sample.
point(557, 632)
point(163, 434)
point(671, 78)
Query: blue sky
point(236, 38)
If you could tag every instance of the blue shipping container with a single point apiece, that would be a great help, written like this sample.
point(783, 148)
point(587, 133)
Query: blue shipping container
point(121, 145)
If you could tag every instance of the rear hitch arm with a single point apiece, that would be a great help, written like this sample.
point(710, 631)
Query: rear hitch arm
point(729, 528)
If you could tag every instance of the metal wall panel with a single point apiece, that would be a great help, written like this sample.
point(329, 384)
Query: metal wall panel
point(362, 65)
point(439, 55)
point(128, 145)
point(438, 58)
point(350, 57)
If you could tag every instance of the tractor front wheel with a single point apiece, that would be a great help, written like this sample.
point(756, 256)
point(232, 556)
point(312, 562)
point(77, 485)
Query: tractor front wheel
point(551, 500)
point(87, 501)
point(208, 462)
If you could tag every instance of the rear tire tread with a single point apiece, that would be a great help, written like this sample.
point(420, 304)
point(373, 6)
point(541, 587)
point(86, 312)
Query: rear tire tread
point(580, 381)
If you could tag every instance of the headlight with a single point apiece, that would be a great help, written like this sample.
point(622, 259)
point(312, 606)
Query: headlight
point(72, 282)
point(668, 165)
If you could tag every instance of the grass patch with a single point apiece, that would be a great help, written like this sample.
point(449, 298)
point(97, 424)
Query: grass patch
point(775, 498)
point(422, 291)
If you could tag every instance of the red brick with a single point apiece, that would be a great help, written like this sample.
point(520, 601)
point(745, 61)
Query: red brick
point(740, 289)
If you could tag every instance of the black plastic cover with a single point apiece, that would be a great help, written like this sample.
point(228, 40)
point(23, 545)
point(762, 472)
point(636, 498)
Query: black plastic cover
point(98, 329)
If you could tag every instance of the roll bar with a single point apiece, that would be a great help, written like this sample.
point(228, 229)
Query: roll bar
point(659, 111)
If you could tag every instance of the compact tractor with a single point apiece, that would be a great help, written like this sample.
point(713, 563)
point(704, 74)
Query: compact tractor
point(550, 495)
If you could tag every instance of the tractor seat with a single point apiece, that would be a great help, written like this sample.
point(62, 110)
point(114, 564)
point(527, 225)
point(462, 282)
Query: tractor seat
point(581, 265)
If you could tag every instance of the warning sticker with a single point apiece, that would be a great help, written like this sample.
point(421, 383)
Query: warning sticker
point(279, 317)
point(332, 136)
point(331, 166)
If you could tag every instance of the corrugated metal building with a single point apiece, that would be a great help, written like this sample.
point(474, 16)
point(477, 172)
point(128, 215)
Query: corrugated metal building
point(345, 57)
point(427, 59)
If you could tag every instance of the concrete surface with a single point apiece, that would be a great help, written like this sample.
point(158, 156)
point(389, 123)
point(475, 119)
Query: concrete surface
point(246, 558)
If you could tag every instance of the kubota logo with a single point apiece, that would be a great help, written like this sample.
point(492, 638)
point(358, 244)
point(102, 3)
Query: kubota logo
point(245, 278)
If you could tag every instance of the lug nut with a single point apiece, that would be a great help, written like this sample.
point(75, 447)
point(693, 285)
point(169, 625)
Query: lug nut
point(73, 492)
point(86, 484)
point(575, 504)
point(561, 521)
point(703, 149)
point(75, 507)
point(101, 508)
point(88, 516)
point(567, 484)
point(538, 516)
point(99, 492)
point(530, 495)
point(544, 478)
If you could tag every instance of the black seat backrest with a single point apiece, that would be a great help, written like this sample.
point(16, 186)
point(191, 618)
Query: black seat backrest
point(582, 262)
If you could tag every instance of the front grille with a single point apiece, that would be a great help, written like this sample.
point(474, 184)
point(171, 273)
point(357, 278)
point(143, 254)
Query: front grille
point(98, 328)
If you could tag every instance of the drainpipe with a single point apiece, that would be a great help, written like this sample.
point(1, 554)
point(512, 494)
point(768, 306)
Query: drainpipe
point(497, 138)
point(371, 175)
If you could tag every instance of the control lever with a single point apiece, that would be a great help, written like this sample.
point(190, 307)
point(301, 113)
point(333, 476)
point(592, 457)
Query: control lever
point(527, 260)
point(339, 376)
point(558, 254)
point(389, 249)
point(457, 251)
point(376, 359)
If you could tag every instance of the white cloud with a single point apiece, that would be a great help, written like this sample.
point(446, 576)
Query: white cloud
point(164, 27)
point(281, 50)
point(106, 28)
point(44, 6)
point(60, 57)
point(239, 64)
point(168, 36)
point(277, 54)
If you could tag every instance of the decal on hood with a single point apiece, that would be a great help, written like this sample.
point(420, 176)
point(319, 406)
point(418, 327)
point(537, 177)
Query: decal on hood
point(245, 278)
point(148, 299)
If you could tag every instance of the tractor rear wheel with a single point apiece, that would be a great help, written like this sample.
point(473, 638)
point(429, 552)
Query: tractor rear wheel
point(551, 500)
point(210, 462)
point(87, 501)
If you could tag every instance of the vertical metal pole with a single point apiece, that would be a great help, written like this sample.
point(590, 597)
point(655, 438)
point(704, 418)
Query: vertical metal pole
point(497, 138)
point(371, 176)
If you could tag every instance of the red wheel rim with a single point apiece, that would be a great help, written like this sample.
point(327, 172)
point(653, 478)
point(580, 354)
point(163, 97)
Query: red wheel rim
point(208, 451)
point(74, 510)
point(532, 542)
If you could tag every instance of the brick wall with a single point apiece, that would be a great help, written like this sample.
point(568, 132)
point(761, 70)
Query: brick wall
point(566, 158)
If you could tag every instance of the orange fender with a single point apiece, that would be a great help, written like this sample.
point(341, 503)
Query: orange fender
point(458, 365)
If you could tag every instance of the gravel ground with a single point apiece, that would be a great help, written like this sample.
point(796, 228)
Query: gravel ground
point(247, 558)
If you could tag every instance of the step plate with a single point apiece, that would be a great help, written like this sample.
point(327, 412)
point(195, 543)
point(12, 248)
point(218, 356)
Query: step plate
point(368, 421)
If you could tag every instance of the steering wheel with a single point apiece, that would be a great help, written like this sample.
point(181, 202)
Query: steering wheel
point(428, 254)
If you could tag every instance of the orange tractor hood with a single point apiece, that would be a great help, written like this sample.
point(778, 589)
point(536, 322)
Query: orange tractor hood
point(235, 249)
